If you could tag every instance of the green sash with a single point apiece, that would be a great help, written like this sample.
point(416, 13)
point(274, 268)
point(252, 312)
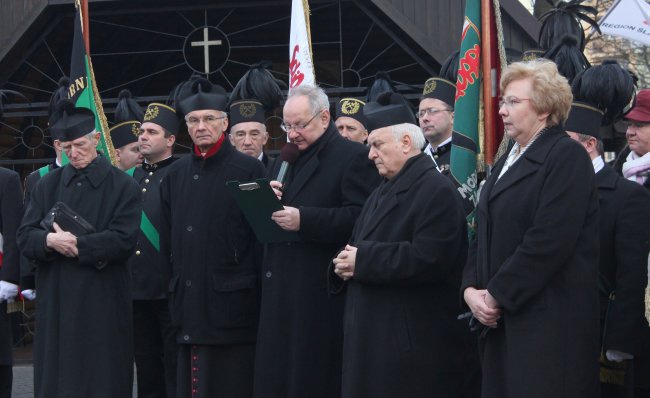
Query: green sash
point(44, 170)
point(150, 231)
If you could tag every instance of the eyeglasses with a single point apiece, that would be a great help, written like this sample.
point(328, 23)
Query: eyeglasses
point(509, 102)
point(430, 112)
point(634, 124)
point(210, 119)
point(288, 127)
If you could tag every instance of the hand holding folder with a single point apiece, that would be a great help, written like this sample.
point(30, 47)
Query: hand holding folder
point(258, 201)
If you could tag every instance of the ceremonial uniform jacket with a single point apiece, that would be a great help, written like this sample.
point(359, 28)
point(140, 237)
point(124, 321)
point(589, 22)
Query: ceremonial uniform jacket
point(148, 268)
point(212, 251)
point(441, 156)
point(300, 338)
point(84, 336)
point(402, 337)
point(536, 252)
point(11, 211)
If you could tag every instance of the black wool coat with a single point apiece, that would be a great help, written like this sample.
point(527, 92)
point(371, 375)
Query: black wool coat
point(27, 278)
point(84, 335)
point(401, 334)
point(11, 211)
point(536, 252)
point(300, 337)
point(624, 245)
point(211, 250)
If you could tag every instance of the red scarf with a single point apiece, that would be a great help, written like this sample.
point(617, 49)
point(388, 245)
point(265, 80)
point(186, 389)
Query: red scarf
point(213, 150)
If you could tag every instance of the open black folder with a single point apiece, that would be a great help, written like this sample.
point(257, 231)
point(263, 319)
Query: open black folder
point(258, 201)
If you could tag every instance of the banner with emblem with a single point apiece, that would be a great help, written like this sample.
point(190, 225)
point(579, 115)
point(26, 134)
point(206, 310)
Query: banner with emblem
point(467, 103)
point(83, 90)
point(301, 64)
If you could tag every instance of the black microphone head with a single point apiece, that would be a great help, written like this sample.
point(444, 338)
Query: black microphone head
point(289, 153)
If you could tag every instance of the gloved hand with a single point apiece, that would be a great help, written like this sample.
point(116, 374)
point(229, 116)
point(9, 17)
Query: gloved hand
point(29, 294)
point(617, 356)
point(8, 291)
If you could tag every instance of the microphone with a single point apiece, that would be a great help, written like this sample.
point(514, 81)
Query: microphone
point(288, 155)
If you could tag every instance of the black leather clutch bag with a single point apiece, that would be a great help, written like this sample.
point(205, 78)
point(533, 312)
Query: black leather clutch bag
point(67, 219)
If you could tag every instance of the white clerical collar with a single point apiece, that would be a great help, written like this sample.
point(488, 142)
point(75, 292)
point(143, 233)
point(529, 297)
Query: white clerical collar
point(598, 163)
point(261, 157)
point(432, 149)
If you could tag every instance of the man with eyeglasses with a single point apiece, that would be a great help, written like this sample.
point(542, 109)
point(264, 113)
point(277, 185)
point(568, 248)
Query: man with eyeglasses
point(248, 132)
point(299, 344)
point(436, 117)
point(637, 164)
point(154, 338)
point(211, 252)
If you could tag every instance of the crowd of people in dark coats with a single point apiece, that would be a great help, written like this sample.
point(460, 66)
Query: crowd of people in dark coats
point(157, 265)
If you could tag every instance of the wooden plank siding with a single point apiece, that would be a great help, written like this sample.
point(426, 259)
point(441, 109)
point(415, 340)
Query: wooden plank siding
point(15, 17)
point(436, 25)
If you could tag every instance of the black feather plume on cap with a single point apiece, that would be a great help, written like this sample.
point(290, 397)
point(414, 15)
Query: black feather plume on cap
point(449, 68)
point(127, 109)
point(258, 84)
point(59, 94)
point(381, 84)
point(564, 19)
point(199, 93)
point(567, 56)
point(607, 87)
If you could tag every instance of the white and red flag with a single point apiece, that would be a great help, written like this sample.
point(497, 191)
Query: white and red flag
point(301, 64)
point(629, 19)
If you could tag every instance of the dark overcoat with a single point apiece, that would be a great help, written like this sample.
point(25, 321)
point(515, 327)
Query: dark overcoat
point(624, 240)
point(11, 211)
point(624, 245)
point(84, 336)
point(300, 338)
point(536, 252)
point(211, 250)
point(401, 333)
point(27, 278)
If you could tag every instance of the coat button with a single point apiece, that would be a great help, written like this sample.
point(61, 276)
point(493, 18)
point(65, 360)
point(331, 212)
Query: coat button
point(137, 252)
point(196, 176)
point(146, 181)
point(144, 189)
point(151, 173)
point(189, 228)
point(268, 274)
point(188, 283)
point(186, 337)
point(79, 184)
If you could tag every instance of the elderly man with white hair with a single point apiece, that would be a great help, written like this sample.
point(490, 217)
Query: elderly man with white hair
point(402, 268)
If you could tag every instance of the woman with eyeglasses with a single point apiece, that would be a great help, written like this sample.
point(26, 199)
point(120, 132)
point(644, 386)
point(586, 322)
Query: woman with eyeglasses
point(531, 280)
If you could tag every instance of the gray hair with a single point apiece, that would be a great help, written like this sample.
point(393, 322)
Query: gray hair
point(317, 98)
point(413, 131)
point(600, 148)
point(90, 135)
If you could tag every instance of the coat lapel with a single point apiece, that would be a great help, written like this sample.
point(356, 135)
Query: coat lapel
point(420, 166)
point(528, 163)
point(606, 178)
point(305, 173)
